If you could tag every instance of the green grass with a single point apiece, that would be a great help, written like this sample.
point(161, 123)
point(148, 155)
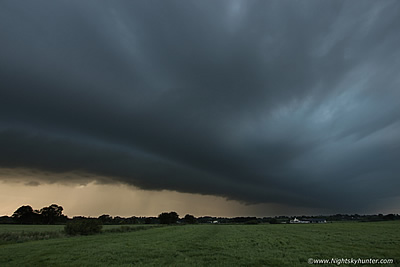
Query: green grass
point(212, 245)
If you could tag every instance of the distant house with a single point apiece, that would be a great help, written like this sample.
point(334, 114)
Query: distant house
point(311, 220)
point(295, 220)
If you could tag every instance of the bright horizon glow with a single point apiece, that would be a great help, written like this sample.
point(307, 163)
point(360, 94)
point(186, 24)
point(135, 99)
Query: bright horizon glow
point(121, 200)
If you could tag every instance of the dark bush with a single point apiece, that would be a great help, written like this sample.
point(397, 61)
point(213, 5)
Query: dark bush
point(83, 227)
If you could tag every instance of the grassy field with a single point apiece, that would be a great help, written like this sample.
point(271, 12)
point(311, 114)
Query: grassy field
point(211, 245)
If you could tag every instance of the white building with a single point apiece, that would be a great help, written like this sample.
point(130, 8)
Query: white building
point(295, 220)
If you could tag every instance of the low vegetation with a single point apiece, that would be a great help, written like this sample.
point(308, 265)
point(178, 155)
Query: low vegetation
point(125, 228)
point(83, 227)
point(14, 233)
point(12, 237)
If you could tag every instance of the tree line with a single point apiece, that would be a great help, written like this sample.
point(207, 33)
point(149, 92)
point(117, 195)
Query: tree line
point(53, 214)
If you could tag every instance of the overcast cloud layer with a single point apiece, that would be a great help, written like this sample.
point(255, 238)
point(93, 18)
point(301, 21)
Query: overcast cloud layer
point(288, 102)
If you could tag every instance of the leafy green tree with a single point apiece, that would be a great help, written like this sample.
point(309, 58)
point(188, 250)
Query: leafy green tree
point(26, 215)
point(52, 214)
point(106, 219)
point(168, 218)
point(189, 219)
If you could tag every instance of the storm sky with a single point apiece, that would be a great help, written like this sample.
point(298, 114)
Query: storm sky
point(291, 103)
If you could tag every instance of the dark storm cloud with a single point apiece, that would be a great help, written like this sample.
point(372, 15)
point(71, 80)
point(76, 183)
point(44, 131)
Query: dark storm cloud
point(291, 102)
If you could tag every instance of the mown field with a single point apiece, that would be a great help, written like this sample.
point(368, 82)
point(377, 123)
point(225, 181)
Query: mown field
point(208, 245)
